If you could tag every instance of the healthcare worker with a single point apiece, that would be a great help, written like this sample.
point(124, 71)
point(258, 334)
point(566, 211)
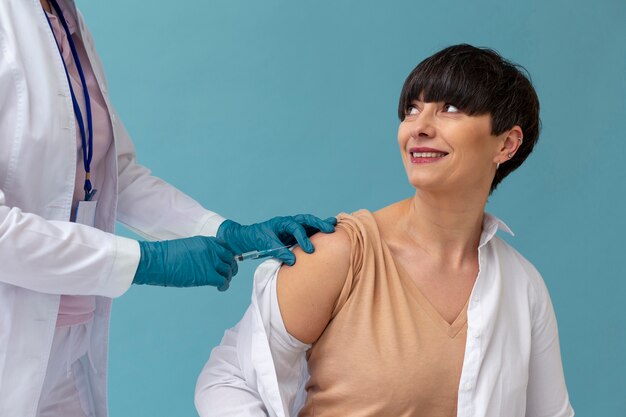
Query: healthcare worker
point(68, 171)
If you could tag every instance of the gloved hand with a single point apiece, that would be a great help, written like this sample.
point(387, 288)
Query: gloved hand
point(276, 232)
point(188, 262)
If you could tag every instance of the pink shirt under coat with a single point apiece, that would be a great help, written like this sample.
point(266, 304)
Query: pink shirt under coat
point(77, 309)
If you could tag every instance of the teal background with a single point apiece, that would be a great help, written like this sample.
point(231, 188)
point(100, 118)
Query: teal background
point(275, 107)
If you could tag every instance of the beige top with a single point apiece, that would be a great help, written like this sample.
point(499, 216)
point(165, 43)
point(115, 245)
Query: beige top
point(386, 351)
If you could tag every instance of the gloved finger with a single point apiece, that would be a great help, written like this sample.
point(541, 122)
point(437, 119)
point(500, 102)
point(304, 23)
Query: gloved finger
point(310, 230)
point(227, 280)
point(225, 245)
point(300, 235)
point(234, 266)
point(223, 251)
point(331, 220)
point(269, 242)
point(224, 269)
point(325, 226)
point(286, 256)
point(224, 286)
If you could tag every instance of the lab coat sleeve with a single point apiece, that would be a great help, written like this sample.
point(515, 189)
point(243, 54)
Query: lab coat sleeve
point(57, 257)
point(546, 392)
point(222, 388)
point(150, 206)
point(146, 204)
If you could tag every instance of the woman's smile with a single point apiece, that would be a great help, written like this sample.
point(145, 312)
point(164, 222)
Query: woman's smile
point(425, 155)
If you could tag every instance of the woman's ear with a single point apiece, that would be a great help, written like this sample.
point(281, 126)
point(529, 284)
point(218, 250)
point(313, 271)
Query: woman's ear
point(513, 139)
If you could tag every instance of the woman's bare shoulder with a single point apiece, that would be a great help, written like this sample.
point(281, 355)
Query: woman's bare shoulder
point(308, 290)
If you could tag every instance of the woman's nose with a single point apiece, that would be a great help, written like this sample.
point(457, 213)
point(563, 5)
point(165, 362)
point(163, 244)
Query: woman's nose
point(423, 127)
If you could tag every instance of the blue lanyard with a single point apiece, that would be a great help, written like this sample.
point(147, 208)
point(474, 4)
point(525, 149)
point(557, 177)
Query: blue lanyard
point(86, 138)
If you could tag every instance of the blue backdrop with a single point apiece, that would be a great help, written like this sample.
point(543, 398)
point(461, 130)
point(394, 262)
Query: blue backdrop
point(275, 107)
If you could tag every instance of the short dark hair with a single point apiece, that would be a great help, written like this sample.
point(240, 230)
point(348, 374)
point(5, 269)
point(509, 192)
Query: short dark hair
point(479, 81)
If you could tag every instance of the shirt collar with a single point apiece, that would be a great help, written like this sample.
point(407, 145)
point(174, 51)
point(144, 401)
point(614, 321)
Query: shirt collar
point(491, 224)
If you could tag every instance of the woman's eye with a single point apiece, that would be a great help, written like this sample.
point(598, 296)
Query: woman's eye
point(449, 108)
point(411, 110)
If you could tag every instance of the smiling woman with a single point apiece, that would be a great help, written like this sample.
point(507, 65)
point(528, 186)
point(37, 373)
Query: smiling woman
point(376, 321)
point(440, 133)
point(460, 83)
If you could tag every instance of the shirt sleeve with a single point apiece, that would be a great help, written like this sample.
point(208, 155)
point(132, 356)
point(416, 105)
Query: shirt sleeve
point(288, 355)
point(222, 389)
point(357, 233)
point(258, 369)
point(546, 394)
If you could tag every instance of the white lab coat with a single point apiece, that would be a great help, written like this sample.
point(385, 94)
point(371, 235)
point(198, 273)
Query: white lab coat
point(42, 254)
point(512, 364)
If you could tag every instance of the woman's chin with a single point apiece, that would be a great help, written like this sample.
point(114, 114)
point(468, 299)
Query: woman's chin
point(425, 183)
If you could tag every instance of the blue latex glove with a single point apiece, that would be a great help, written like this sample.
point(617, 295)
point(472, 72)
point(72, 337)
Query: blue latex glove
point(188, 262)
point(276, 232)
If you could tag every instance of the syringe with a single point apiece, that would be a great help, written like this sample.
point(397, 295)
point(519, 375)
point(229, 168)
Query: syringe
point(258, 254)
point(255, 254)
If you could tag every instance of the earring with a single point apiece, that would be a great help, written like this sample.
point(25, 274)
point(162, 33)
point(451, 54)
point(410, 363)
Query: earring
point(497, 165)
point(510, 156)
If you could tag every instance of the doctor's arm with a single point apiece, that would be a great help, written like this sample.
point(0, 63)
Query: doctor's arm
point(156, 210)
point(150, 206)
point(546, 393)
point(59, 257)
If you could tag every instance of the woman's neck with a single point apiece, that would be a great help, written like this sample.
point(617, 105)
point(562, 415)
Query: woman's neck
point(447, 228)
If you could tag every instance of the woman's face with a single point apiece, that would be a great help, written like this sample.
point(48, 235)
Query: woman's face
point(444, 149)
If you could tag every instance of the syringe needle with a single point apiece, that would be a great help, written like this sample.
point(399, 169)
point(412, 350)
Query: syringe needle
point(257, 254)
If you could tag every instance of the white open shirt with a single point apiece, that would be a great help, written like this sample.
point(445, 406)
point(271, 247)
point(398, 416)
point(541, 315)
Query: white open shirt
point(512, 365)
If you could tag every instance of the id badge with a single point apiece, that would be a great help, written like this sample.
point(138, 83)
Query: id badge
point(86, 213)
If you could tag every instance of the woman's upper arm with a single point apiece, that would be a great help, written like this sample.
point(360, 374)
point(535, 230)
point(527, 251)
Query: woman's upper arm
point(308, 290)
